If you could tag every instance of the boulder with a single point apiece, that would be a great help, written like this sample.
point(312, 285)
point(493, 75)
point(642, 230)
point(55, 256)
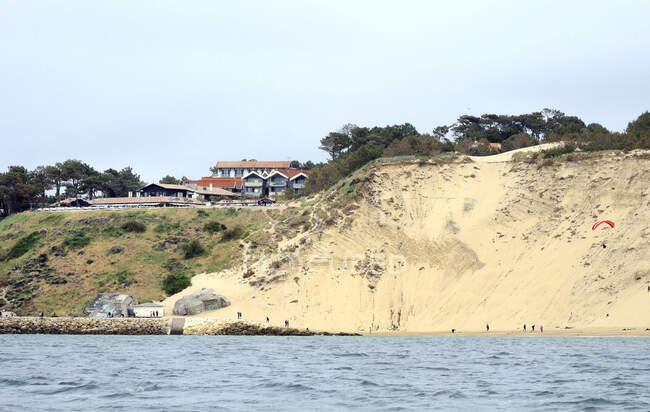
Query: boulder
point(115, 250)
point(197, 302)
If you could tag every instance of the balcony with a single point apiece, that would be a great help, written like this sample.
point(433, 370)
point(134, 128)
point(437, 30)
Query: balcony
point(278, 183)
point(298, 185)
point(253, 183)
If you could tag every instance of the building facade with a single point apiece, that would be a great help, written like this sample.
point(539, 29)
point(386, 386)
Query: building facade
point(241, 169)
point(275, 182)
point(259, 179)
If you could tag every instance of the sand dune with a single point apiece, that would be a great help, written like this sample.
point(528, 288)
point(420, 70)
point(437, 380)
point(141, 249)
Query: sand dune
point(426, 247)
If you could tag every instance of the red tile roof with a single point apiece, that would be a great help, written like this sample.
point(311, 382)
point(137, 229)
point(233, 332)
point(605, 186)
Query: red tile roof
point(292, 172)
point(254, 165)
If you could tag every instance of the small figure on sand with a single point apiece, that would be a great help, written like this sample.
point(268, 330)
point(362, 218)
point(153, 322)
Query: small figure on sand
point(524, 327)
point(532, 327)
point(487, 327)
point(267, 319)
point(286, 323)
point(453, 331)
point(541, 328)
point(238, 315)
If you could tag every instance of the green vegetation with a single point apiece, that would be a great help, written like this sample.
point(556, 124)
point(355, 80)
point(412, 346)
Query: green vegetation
point(134, 226)
point(77, 240)
point(563, 149)
point(147, 258)
point(120, 279)
point(21, 188)
point(276, 264)
point(352, 146)
point(193, 249)
point(175, 282)
point(23, 246)
point(233, 233)
point(214, 227)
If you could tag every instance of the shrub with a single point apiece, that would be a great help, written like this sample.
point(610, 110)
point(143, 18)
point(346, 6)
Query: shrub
point(113, 231)
point(77, 240)
point(214, 227)
point(232, 234)
point(166, 227)
point(121, 278)
point(231, 211)
point(174, 265)
point(2, 302)
point(193, 249)
point(134, 226)
point(175, 282)
point(23, 246)
point(201, 213)
point(567, 147)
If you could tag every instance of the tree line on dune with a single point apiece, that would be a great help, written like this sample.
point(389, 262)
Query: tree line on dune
point(349, 148)
point(22, 189)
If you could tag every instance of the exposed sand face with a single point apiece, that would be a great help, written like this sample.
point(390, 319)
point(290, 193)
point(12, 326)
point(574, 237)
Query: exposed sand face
point(438, 246)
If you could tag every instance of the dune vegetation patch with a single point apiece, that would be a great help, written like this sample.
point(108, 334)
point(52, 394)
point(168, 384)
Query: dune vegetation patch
point(133, 226)
point(22, 246)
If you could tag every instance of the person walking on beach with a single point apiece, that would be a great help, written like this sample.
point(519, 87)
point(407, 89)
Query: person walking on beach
point(524, 327)
point(286, 323)
point(541, 328)
point(487, 327)
point(267, 319)
point(533, 328)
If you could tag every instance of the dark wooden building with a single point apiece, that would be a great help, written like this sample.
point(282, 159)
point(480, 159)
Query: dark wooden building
point(162, 189)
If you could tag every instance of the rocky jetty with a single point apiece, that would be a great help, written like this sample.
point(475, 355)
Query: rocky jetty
point(83, 326)
point(214, 327)
point(144, 326)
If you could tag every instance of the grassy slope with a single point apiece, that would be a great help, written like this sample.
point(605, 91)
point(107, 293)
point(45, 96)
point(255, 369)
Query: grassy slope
point(138, 269)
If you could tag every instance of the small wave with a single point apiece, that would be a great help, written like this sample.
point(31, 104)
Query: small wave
point(351, 355)
point(368, 383)
point(433, 368)
point(13, 382)
point(86, 387)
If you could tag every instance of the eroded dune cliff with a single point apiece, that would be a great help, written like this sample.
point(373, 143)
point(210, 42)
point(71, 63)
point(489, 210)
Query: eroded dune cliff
point(425, 246)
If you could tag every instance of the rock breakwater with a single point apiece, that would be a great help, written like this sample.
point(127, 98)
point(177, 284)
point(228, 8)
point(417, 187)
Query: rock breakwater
point(196, 326)
point(83, 326)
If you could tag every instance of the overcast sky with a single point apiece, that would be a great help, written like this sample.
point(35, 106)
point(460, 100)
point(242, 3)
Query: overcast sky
point(172, 87)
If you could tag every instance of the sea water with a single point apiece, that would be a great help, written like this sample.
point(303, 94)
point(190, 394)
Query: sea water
point(179, 373)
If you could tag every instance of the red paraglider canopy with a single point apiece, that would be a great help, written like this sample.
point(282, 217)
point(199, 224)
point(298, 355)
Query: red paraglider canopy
point(609, 222)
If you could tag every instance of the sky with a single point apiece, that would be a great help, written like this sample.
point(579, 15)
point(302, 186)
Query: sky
point(171, 87)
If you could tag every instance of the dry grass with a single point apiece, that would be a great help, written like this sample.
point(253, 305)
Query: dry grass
point(82, 241)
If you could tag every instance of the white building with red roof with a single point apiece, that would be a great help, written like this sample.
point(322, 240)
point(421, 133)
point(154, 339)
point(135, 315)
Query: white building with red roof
point(256, 179)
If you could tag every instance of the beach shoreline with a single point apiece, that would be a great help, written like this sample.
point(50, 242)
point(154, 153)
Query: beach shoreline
point(559, 332)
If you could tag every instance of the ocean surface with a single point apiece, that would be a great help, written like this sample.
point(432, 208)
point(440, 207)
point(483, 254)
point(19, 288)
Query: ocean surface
point(179, 373)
